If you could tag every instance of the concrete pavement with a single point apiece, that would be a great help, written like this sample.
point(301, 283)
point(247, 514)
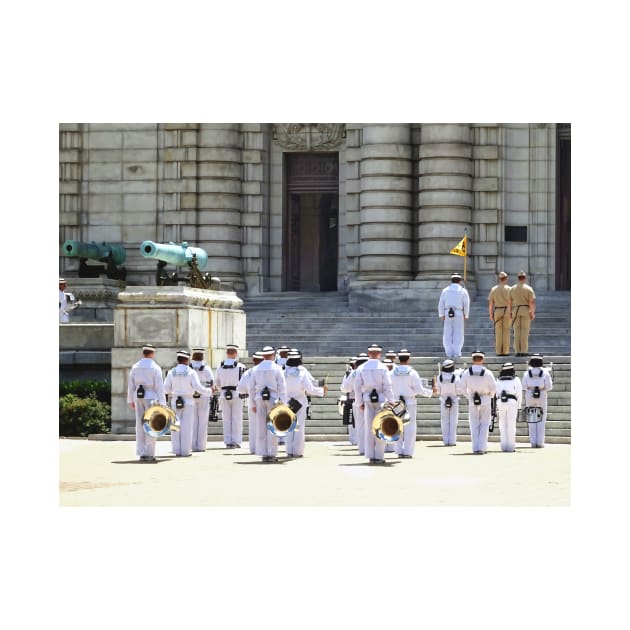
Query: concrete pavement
point(101, 473)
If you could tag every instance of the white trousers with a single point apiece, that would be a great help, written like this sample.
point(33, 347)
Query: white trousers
point(406, 445)
point(507, 412)
point(295, 440)
point(232, 415)
point(266, 441)
point(448, 420)
point(374, 448)
point(181, 441)
point(252, 427)
point(453, 335)
point(145, 444)
point(479, 417)
point(359, 427)
point(537, 429)
point(201, 412)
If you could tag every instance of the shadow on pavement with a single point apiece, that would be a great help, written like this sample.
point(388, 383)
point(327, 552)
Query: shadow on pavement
point(387, 464)
point(160, 460)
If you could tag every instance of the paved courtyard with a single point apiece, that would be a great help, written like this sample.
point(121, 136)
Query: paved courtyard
point(103, 473)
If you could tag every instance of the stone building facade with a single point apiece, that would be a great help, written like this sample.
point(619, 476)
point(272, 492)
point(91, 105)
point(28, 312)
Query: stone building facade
point(363, 208)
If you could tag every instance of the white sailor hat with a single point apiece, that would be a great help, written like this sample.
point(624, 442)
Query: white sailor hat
point(390, 353)
point(283, 348)
point(231, 346)
point(195, 350)
point(295, 353)
point(267, 350)
point(536, 360)
point(257, 355)
point(404, 353)
point(448, 365)
point(478, 353)
point(362, 355)
point(184, 354)
point(507, 366)
point(62, 281)
point(456, 276)
point(148, 346)
point(375, 348)
point(388, 361)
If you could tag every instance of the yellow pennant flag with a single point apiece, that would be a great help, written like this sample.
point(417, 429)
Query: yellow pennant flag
point(460, 248)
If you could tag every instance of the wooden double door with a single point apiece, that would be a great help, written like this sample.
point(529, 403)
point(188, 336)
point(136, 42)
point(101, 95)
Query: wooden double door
point(311, 221)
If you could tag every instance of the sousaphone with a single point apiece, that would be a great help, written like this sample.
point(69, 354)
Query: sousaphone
point(388, 423)
point(158, 420)
point(281, 420)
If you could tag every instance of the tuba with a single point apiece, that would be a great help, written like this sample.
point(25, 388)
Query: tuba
point(159, 419)
point(281, 420)
point(388, 423)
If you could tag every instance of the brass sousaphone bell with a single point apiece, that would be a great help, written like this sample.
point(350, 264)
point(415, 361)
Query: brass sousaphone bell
point(389, 422)
point(281, 420)
point(158, 420)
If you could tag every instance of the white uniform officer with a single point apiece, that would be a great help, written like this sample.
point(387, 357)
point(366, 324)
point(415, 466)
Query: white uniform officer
point(406, 385)
point(299, 383)
point(267, 386)
point(449, 387)
point(228, 374)
point(347, 388)
point(537, 382)
point(67, 302)
point(509, 397)
point(144, 389)
point(243, 391)
point(390, 447)
point(201, 403)
point(479, 386)
point(180, 384)
point(453, 309)
point(358, 409)
point(372, 387)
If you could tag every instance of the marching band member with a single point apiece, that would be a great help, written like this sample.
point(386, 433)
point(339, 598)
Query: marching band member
point(201, 403)
point(357, 407)
point(229, 373)
point(347, 388)
point(372, 387)
point(453, 309)
point(449, 387)
point(281, 355)
point(537, 382)
point(479, 386)
point(243, 391)
point(299, 383)
point(267, 386)
point(145, 388)
point(180, 384)
point(509, 396)
point(406, 385)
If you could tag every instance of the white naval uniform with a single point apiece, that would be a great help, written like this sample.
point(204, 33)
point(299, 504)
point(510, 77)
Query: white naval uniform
point(508, 411)
point(373, 375)
point(456, 297)
point(183, 381)
point(67, 304)
point(299, 383)
point(479, 416)
point(228, 374)
point(449, 386)
point(406, 383)
point(201, 405)
point(243, 388)
point(347, 387)
point(147, 373)
point(266, 374)
point(532, 378)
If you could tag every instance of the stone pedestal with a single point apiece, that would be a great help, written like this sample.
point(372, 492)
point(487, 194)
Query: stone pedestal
point(98, 296)
point(171, 318)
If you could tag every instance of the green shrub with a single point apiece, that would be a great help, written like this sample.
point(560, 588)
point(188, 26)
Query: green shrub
point(101, 390)
point(78, 417)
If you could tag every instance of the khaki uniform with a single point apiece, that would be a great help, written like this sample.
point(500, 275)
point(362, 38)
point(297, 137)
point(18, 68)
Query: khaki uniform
point(499, 297)
point(521, 295)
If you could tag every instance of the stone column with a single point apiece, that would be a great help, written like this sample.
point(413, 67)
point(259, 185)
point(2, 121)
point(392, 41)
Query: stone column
point(217, 227)
point(385, 233)
point(445, 172)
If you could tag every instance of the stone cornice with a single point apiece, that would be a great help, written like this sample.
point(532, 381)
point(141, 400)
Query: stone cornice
point(180, 296)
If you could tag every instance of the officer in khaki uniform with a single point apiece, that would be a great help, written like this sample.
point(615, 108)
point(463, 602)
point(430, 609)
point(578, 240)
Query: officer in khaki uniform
point(521, 310)
point(498, 301)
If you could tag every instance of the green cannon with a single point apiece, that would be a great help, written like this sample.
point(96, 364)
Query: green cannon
point(111, 255)
point(179, 255)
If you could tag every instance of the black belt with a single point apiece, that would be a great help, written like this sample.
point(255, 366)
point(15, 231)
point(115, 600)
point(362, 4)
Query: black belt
point(512, 396)
point(229, 388)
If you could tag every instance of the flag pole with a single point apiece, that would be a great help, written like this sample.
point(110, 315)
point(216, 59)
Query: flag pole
point(465, 252)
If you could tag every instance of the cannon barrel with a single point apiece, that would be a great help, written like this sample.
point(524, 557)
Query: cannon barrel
point(178, 255)
point(95, 251)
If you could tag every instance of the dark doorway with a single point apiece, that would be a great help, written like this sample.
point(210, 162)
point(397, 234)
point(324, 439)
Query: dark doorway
point(563, 206)
point(311, 215)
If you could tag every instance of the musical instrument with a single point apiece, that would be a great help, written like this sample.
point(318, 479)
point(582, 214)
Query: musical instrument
point(533, 414)
point(281, 420)
point(389, 422)
point(158, 420)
